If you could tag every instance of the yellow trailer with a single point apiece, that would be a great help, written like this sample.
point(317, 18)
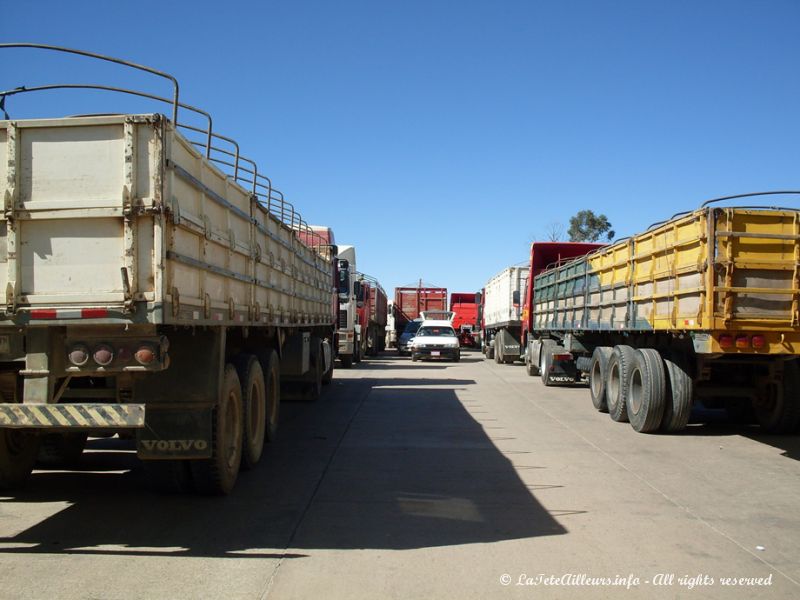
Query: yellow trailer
point(703, 306)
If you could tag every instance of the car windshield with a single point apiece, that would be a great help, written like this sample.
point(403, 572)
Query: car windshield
point(412, 327)
point(436, 331)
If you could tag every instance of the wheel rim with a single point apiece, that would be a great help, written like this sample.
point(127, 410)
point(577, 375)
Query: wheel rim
point(613, 383)
point(257, 410)
point(636, 392)
point(596, 378)
point(273, 399)
point(231, 430)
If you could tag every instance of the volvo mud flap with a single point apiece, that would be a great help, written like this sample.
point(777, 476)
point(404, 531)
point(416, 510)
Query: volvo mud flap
point(175, 433)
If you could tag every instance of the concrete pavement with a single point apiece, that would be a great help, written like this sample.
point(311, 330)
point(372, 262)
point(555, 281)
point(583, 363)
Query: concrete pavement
point(432, 480)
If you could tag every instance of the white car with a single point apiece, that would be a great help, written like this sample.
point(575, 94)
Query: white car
point(435, 339)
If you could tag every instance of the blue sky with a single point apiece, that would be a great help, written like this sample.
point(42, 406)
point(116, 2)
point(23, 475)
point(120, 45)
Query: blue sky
point(440, 138)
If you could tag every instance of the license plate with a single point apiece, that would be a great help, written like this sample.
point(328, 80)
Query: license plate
point(435, 353)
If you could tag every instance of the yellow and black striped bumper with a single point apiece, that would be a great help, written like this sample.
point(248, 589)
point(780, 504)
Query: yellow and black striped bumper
point(72, 416)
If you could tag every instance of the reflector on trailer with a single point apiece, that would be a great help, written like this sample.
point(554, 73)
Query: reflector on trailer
point(44, 313)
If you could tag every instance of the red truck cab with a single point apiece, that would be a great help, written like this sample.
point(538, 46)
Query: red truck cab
point(465, 321)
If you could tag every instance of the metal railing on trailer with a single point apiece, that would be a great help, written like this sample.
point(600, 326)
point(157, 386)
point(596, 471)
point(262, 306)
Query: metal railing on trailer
point(242, 170)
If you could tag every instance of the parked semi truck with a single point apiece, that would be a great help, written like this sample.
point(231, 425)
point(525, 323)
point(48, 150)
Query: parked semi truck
point(372, 316)
point(702, 308)
point(410, 301)
point(153, 285)
point(465, 319)
point(350, 296)
point(502, 315)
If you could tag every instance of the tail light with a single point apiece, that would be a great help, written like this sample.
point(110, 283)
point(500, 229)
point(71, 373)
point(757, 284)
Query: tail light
point(726, 341)
point(759, 341)
point(145, 355)
point(742, 341)
point(103, 355)
point(78, 355)
point(562, 357)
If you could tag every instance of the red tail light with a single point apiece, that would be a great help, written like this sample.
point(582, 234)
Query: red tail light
point(562, 357)
point(726, 341)
point(145, 355)
point(742, 341)
point(759, 341)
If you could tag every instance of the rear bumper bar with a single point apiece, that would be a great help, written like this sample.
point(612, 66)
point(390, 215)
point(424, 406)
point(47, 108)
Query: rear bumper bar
point(71, 416)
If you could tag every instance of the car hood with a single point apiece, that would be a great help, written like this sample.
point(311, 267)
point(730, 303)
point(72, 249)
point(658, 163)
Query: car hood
point(436, 339)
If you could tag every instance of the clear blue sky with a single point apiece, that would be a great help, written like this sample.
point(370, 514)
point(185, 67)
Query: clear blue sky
point(491, 120)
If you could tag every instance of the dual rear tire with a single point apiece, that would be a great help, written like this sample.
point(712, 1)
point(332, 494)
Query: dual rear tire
point(245, 417)
point(641, 387)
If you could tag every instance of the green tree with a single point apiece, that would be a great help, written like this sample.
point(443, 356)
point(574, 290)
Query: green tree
point(586, 226)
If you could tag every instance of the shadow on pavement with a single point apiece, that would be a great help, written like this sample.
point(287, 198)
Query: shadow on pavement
point(369, 466)
point(707, 422)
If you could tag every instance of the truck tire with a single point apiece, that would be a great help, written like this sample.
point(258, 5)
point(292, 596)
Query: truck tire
point(598, 377)
point(327, 377)
point(499, 340)
point(347, 361)
point(272, 386)
point(546, 350)
point(356, 350)
point(254, 409)
point(779, 411)
point(169, 476)
point(312, 389)
point(61, 449)
point(217, 475)
point(647, 391)
point(546, 364)
point(530, 368)
point(489, 352)
point(18, 452)
point(619, 370)
point(679, 393)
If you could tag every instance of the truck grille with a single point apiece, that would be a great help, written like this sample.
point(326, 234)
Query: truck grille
point(342, 319)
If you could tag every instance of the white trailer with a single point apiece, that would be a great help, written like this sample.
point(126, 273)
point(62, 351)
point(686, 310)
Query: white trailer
point(147, 290)
point(502, 316)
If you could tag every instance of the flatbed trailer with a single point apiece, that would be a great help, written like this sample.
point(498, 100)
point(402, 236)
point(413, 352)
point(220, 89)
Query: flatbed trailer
point(154, 285)
point(701, 308)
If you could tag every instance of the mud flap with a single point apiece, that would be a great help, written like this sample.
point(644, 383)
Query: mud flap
point(178, 434)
